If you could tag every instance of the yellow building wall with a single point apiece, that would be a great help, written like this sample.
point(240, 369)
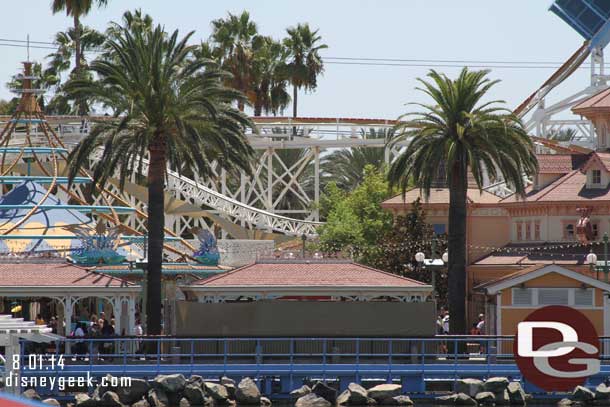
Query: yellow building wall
point(510, 317)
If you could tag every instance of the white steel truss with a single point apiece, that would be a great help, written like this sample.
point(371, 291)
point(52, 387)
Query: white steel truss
point(288, 168)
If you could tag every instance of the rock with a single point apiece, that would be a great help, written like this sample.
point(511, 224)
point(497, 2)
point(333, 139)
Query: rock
point(485, 398)
point(247, 392)
point(384, 391)
point(131, 394)
point(354, 395)
point(141, 403)
point(564, 403)
point(31, 394)
point(457, 399)
point(464, 399)
point(227, 380)
point(323, 390)
point(157, 398)
point(51, 402)
point(403, 400)
point(371, 402)
point(312, 400)
point(343, 398)
point(358, 394)
point(301, 391)
point(265, 402)
point(83, 400)
point(184, 403)
point(496, 384)
point(231, 390)
point(602, 392)
point(516, 393)
point(195, 379)
point(469, 386)
point(111, 399)
point(502, 398)
point(447, 400)
point(194, 394)
point(581, 393)
point(217, 391)
point(173, 383)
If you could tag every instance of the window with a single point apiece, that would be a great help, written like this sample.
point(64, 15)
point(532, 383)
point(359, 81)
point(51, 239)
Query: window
point(537, 231)
point(596, 177)
point(519, 231)
point(583, 297)
point(553, 296)
point(528, 230)
point(595, 228)
point(569, 231)
point(439, 228)
point(522, 296)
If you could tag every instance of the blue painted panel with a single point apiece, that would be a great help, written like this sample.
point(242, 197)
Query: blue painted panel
point(585, 16)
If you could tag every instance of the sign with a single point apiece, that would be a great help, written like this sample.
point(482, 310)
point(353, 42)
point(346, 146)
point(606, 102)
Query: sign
point(557, 348)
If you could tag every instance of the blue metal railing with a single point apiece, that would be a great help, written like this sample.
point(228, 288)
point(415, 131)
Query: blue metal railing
point(412, 361)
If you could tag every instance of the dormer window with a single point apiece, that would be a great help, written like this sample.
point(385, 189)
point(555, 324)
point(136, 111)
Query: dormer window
point(596, 177)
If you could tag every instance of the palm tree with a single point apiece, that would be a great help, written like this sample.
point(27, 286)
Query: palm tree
point(233, 39)
point(77, 9)
point(346, 166)
point(169, 106)
point(269, 77)
point(567, 134)
point(305, 64)
point(461, 133)
point(61, 62)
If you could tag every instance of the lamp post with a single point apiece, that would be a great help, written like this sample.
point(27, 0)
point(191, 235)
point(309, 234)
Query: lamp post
point(592, 260)
point(304, 241)
point(432, 264)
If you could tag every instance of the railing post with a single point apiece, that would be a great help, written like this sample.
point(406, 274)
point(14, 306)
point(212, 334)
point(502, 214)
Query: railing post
point(258, 353)
point(125, 344)
point(192, 355)
point(291, 357)
point(158, 354)
point(225, 349)
point(389, 378)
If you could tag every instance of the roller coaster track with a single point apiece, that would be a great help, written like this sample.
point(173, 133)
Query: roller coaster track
point(182, 187)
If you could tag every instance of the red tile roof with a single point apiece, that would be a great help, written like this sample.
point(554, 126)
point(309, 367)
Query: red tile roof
point(439, 196)
point(559, 163)
point(602, 158)
point(313, 274)
point(569, 188)
point(54, 275)
point(511, 276)
point(600, 102)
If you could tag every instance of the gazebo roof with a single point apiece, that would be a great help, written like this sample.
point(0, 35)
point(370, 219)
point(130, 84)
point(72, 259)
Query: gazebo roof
point(308, 273)
point(54, 279)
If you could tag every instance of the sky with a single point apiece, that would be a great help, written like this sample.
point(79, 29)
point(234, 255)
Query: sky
point(482, 30)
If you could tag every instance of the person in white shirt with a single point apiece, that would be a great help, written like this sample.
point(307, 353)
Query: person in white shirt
point(481, 324)
point(138, 331)
point(79, 332)
point(446, 323)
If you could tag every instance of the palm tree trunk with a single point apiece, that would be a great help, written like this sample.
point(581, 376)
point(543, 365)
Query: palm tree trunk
point(82, 105)
point(457, 249)
point(295, 93)
point(156, 223)
point(258, 109)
